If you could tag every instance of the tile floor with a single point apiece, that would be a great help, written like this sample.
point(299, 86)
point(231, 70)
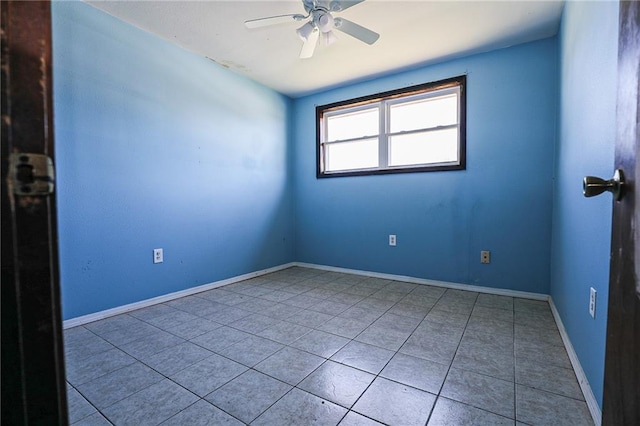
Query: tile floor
point(303, 346)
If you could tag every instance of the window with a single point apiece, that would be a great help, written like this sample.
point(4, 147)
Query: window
point(417, 129)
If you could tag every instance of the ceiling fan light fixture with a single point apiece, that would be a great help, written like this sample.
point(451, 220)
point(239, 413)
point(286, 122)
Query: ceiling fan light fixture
point(329, 38)
point(325, 22)
point(305, 31)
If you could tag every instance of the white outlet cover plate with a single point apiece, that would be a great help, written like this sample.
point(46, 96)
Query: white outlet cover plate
point(392, 240)
point(158, 255)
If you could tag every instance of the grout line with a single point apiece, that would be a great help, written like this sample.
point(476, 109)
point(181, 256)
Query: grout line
point(185, 408)
point(452, 360)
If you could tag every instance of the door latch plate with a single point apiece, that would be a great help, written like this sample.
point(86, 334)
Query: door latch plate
point(31, 174)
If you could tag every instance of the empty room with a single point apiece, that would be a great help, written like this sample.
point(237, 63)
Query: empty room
point(320, 212)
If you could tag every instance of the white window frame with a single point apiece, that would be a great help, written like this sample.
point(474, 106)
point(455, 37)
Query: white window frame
point(383, 101)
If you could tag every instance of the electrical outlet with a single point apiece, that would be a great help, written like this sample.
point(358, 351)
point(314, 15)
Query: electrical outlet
point(485, 256)
point(158, 255)
point(392, 240)
point(592, 302)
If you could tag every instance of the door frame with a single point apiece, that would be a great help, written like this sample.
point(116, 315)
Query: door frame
point(621, 400)
point(32, 345)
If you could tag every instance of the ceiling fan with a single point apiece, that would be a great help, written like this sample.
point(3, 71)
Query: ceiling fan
point(322, 23)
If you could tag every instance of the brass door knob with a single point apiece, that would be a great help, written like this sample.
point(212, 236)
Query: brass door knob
point(592, 186)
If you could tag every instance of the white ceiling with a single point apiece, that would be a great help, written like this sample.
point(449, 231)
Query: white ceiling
point(412, 33)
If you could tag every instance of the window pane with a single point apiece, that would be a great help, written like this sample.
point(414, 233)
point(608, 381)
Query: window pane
point(424, 113)
point(353, 125)
point(361, 154)
point(439, 146)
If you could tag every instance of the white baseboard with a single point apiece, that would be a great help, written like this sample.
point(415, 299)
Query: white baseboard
point(589, 397)
point(85, 319)
point(414, 280)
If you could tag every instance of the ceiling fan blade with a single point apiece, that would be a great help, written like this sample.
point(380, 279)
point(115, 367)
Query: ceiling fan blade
point(273, 20)
point(309, 46)
point(339, 6)
point(355, 30)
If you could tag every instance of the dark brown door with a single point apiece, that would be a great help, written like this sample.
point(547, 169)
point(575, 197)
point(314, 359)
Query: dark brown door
point(622, 364)
point(33, 381)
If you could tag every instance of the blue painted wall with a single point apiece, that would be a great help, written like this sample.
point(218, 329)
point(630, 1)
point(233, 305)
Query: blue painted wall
point(501, 202)
point(158, 147)
point(582, 227)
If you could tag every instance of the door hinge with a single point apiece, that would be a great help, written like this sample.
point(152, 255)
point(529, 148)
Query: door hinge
point(31, 174)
